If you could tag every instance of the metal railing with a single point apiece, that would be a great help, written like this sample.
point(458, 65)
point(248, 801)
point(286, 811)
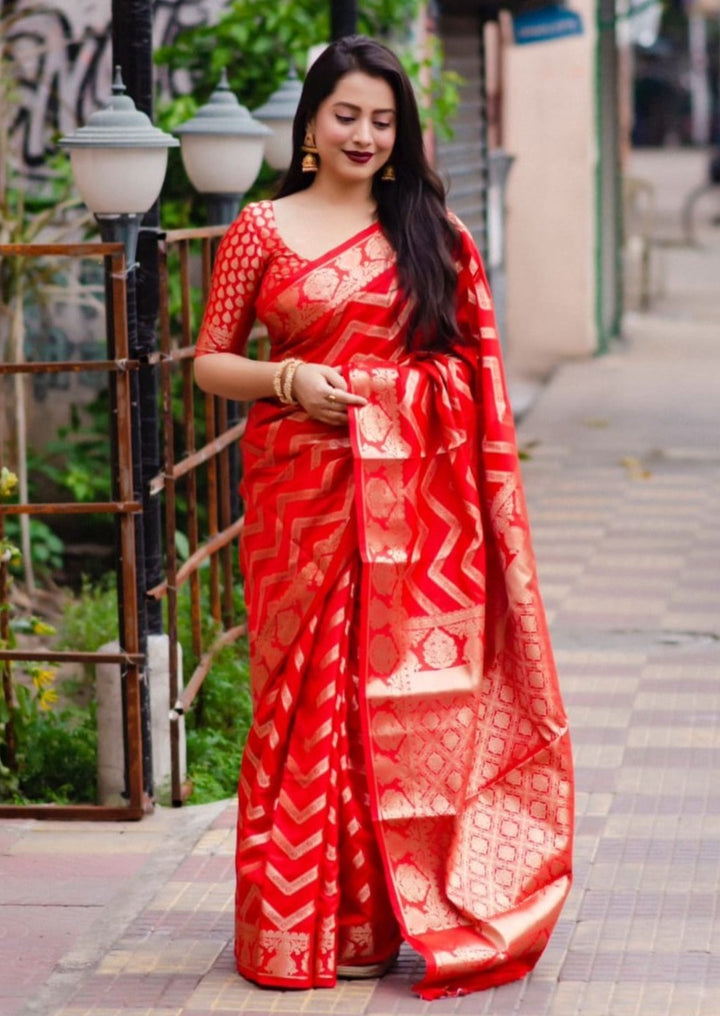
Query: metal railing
point(122, 505)
point(216, 462)
point(190, 465)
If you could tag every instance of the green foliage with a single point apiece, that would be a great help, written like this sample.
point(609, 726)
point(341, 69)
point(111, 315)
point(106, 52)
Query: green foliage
point(57, 747)
point(46, 546)
point(438, 88)
point(90, 619)
point(255, 43)
point(47, 549)
point(54, 756)
point(78, 461)
point(45, 754)
point(217, 725)
point(59, 756)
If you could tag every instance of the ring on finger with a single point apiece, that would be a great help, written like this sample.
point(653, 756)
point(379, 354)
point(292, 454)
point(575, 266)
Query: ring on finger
point(331, 397)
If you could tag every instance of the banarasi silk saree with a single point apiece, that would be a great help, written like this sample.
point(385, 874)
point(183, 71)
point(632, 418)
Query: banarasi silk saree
point(408, 773)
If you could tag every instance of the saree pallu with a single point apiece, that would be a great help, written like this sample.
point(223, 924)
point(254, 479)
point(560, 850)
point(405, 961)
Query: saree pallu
point(408, 771)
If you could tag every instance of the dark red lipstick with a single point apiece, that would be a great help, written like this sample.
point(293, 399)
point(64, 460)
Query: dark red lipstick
point(359, 157)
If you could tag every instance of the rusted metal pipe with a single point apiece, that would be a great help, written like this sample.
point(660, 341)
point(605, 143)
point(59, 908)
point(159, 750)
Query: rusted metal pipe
point(193, 686)
point(205, 552)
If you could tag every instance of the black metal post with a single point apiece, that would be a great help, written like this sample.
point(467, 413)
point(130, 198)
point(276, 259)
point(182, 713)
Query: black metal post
point(147, 289)
point(132, 51)
point(222, 208)
point(343, 18)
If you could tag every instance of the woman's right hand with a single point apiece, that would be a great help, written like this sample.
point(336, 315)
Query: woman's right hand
point(323, 393)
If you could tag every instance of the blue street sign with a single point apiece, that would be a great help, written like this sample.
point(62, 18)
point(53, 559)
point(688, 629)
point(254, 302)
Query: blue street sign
point(551, 22)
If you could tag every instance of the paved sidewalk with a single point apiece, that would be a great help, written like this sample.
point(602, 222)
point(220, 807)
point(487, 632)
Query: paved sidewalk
point(623, 480)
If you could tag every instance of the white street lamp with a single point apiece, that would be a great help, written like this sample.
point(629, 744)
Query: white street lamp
point(119, 161)
point(222, 151)
point(278, 113)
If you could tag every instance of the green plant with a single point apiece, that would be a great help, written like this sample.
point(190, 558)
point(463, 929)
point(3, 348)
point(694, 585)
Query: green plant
point(217, 725)
point(77, 460)
point(439, 88)
point(46, 753)
point(90, 619)
point(56, 748)
point(46, 547)
point(60, 759)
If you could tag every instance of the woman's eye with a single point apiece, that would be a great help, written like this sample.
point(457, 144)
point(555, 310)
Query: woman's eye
point(344, 119)
point(381, 125)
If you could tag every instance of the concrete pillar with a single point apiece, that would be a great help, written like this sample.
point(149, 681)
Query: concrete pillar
point(111, 763)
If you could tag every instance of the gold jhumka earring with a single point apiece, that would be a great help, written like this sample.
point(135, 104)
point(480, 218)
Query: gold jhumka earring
point(310, 159)
point(388, 173)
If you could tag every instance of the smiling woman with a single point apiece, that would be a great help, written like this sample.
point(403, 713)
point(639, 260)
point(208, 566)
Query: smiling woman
point(356, 124)
point(407, 775)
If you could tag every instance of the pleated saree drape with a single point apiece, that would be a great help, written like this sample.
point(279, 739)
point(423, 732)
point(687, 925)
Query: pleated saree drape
point(408, 771)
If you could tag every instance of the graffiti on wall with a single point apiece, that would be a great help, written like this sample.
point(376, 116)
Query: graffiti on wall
point(63, 57)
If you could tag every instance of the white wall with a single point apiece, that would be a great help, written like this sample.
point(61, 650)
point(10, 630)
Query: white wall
point(549, 126)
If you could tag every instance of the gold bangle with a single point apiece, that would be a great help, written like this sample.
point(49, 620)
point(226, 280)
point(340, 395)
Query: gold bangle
point(277, 379)
point(287, 384)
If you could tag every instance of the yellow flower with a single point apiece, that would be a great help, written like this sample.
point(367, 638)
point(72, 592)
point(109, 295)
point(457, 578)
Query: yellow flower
point(42, 677)
point(42, 628)
point(47, 698)
point(9, 553)
point(8, 483)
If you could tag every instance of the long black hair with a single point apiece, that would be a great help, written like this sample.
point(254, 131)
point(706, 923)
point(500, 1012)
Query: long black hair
point(411, 210)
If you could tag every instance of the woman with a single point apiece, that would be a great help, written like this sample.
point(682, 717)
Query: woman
point(407, 775)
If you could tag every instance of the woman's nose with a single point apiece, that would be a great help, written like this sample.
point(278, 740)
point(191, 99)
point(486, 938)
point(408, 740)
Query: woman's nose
point(362, 135)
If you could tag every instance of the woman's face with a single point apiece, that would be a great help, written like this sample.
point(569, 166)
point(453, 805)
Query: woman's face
point(355, 127)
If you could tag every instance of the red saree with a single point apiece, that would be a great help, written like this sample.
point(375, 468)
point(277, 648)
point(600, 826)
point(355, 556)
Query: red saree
point(408, 773)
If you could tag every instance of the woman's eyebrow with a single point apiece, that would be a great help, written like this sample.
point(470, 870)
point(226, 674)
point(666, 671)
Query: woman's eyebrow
point(356, 109)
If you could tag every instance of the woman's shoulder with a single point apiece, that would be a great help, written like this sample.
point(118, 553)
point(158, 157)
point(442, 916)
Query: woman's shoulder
point(253, 225)
point(256, 213)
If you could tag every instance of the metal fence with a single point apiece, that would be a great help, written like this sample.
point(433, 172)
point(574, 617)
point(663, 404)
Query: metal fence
point(186, 463)
point(122, 504)
point(202, 472)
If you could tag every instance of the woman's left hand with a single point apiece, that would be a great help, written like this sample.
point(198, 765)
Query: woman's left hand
point(323, 393)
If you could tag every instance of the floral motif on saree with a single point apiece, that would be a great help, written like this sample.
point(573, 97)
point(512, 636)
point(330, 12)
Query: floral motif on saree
point(408, 772)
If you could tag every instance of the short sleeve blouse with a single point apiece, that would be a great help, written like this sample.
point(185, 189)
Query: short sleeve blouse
point(230, 308)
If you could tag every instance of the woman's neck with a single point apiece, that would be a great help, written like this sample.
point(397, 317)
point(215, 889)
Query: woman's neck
point(333, 193)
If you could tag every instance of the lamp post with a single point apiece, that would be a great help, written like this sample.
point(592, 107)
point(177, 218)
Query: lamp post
point(222, 151)
point(343, 18)
point(278, 114)
point(119, 160)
